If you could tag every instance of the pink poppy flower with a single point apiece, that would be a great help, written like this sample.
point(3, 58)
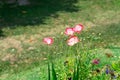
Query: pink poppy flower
point(69, 31)
point(96, 61)
point(72, 40)
point(78, 28)
point(48, 40)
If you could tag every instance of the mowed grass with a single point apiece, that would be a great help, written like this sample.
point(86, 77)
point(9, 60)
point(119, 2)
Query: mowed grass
point(23, 56)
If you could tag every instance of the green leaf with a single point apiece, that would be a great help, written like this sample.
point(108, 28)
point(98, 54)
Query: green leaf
point(74, 74)
point(48, 71)
point(54, 76)
point(76, 71)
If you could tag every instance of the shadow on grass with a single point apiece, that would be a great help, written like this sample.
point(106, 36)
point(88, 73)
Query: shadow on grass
point(35, 13)
point(1, 34)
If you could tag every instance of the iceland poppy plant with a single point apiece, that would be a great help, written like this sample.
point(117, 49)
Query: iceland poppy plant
point(48, 40)
point(72, 40)
point(69, 31)
point(78, 28)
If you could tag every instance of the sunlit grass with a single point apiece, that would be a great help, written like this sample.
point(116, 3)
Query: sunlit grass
point(27, 58)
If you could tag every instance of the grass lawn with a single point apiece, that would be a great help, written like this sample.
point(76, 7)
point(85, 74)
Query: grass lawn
point(23, 55)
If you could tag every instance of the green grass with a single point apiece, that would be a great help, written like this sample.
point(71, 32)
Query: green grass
point(24, 56)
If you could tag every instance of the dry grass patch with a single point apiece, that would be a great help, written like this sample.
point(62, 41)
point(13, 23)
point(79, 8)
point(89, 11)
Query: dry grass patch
point(107, 17)
point(10, 42)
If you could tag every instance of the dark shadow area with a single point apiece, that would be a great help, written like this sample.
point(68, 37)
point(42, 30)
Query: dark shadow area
point(1, 33)
point(35, 13)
